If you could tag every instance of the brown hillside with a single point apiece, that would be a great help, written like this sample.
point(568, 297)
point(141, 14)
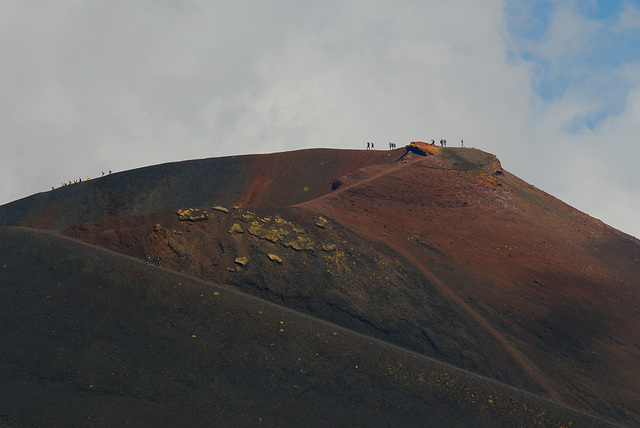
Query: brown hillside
point(272, 180)
point(439, 251)
point(555, 288)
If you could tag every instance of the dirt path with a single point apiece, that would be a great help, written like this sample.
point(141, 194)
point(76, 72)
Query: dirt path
point(403, 161)
point(323, 205)
point(530, 369)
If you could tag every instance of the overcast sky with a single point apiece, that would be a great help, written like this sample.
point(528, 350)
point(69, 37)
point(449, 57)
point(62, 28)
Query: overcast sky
point(551, 87)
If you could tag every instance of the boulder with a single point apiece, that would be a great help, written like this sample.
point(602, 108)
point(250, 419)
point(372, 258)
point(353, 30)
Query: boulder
point(235, 228)
point(275, 258)
point(242, 261)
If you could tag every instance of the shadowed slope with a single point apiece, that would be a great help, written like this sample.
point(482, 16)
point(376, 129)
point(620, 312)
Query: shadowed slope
point(92, 337)
point(328, 272)
point(271, 180)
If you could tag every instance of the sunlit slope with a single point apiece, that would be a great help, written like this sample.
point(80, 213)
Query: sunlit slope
point(254, 180)
point(558, 289)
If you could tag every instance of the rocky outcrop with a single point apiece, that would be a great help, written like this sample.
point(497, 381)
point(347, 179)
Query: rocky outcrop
point(421, 148)
point(300, 243)
point(275, 258)
point(266, 231)
point(191, 214)
point(235, 228)
point(242, 260)
point(322, 222)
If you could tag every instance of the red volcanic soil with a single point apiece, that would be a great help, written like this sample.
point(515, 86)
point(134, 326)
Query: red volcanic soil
point(438, 251)
point(272, 180)
point(556, 288)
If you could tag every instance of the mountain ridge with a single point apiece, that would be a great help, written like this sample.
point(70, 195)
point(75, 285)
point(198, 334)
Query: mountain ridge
point(181, 184)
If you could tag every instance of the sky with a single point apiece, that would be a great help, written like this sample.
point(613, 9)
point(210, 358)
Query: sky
point(552, 87)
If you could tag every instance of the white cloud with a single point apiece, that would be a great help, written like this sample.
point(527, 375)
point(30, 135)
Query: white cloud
point(117, 85)
point(595, 169)
point(568, 34)
point(413, 83)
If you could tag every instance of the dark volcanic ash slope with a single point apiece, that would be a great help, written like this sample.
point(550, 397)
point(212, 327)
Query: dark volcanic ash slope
point(442, 253)
point(315, 266)
point(445, 254)
point(94, 338)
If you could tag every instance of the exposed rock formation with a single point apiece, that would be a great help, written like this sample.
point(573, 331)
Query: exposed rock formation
point(190, 214)
point(275, 258)
point(421, 148)
point(235, 228)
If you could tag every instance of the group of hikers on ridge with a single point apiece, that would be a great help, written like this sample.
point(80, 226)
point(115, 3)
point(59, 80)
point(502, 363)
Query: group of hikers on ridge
point(443, 143)
point(76, 180)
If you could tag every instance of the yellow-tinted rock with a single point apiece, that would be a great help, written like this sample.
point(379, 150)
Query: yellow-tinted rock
point(187, 215)
point(300, 243)
point(322, 222)
point(272, 234)
point(242, 260)
point(297, 229)
point(221, 209)
point(235, 228)
point(329, 247)
point(275, 258)
point(248, 215)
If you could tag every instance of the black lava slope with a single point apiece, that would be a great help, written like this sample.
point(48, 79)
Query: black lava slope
point(93, 338)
